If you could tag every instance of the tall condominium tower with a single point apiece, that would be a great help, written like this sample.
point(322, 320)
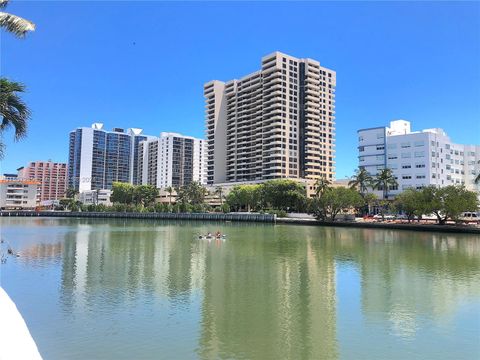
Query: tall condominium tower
point(172, 160)
point(418, 158)
point(97, 157)
point(277, 122)
point(51, 176)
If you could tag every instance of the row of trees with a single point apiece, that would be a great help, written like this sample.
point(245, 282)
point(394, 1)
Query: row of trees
point(128, 194)
point(281, 195)
point(445, 203)
point(384, 181)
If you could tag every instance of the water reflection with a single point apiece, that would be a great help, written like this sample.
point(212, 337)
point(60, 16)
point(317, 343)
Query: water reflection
point(268, 292)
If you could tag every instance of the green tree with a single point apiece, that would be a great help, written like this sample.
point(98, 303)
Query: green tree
point(410, 202)
point(145, 194)
point(66, 203)
point(13, 111)
point(370, 200)
point(244, 196)
point(335, 200)
point(321, 185)
point(384, 180)
point(361, 180)
point(283, 194)
point(169, 190)
point(71, 193)
point(122, 193)
point(448, 202)
point(193, 193)
point(219, 192)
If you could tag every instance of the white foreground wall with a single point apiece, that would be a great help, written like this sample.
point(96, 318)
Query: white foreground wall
point(16, 341)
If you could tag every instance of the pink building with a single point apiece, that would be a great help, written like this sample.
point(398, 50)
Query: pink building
point(51, 176)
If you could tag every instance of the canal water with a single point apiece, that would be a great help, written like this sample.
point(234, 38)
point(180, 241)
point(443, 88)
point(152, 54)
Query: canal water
point(143, 289)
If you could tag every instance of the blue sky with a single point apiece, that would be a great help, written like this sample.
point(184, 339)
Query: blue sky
point(144, 64)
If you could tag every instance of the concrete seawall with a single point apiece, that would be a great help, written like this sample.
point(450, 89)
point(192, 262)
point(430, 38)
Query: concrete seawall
point(395, 226)
point(246, 217)
point(268, 218)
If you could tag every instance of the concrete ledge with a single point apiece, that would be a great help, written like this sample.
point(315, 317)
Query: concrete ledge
point(366, 225)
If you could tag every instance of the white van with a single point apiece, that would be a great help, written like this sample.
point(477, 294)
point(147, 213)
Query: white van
point(470, 216)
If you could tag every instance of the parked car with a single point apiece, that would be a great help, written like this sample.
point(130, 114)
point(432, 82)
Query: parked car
point(386, 217)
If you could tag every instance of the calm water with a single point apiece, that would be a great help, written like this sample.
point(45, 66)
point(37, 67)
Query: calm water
point(132, 289)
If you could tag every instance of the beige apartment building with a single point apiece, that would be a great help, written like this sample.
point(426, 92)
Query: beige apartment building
point(52, 178)
point(278, 122)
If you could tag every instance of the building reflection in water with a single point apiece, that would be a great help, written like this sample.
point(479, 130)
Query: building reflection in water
point(405, 275)
point(264, 307)
point(271, 295)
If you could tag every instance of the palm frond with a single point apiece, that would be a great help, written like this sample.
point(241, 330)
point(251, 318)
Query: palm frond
point(15, 24)
point(3, 4)
point(13, 111)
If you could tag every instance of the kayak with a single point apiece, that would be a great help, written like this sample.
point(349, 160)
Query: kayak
point(209, 237)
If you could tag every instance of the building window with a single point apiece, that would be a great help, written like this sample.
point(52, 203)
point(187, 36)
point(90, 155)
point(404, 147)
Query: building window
point(406, 155)
point(419, 154)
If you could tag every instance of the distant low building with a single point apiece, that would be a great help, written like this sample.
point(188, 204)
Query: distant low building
point(95, 197)
point(16, 194)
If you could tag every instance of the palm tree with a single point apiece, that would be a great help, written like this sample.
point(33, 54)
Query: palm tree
point(71, 193)
point(383, 180)
point(321, 185)
point(361, 180)
point(13, 111)
point(14, 24)
point(219, 192)
point(169, 189)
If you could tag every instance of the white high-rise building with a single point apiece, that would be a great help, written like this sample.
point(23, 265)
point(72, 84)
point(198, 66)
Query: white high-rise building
point(98, 157)
point(278, 122)
point(172, 160)
point(418, 158)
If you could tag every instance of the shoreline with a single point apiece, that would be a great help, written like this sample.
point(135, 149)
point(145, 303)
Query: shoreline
point(248, 217)
point(386, 226)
